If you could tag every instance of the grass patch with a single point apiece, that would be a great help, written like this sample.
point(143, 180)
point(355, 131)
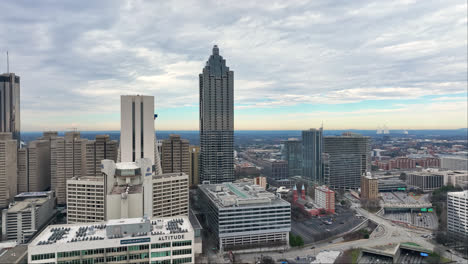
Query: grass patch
point(355, 255)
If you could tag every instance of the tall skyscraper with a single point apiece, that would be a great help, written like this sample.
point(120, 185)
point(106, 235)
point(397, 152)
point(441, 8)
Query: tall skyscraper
point(312, 142)
point(194, 176)
point(10, 104)
point(175, 155)
point(216, 120)
point(292, 153)
point(97, 150)
point(8, 174)
point(137, 136)
point(348, 158)
point(34, 167)
point(66, 161)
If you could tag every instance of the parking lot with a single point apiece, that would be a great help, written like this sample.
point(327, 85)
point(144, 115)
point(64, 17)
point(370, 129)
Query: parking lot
point(314, 229)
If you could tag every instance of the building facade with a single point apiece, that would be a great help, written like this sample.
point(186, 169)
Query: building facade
point(10, 105)
point(8, 168)
point(276, 169)
point(292, 153)
point(457, 213)
point(97, 150)
point(134, 240)
point(170, 194)
point(348, 157)
point(428, 180)
point(133, 189)
point(34, 167)
point(137, 135)
point(29, 212)
point(369, 187)
point(66, 161)
point(325, 198)
point(312, 149)
point(216, 120)
point(175, 155)
point(454, 162)
point(194, 176)
point(85, 199)
point(242, 216)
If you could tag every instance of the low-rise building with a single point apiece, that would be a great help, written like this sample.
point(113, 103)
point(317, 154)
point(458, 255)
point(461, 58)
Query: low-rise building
point(243, 216)
point(454, 162)
point(325, 198)
point(369, 187)
point(134, 240)
point(426, 180)
point(457, 213)
point(28, 213)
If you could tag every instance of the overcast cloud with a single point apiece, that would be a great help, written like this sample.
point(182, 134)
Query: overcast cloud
point(76, 58)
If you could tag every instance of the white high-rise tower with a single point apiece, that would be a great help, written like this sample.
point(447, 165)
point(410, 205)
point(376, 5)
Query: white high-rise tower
point(137, 136)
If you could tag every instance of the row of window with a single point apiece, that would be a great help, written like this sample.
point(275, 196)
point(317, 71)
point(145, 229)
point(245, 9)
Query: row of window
point(43, 256)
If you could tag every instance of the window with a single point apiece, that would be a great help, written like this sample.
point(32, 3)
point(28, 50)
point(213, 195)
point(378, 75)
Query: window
point(181, 260)
point(160, 254)
point(139, 247)
point(166, 261)
point(161, 245)
point(43, 256)
point(68, 254)
point(182, 251)
point(182, 243)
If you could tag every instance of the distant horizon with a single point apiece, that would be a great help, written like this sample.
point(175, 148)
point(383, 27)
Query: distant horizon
point(168, 130)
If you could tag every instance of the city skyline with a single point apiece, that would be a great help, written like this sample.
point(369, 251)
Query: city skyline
point(356, 65)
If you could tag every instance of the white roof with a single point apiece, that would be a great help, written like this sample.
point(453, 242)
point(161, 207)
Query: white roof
point(463, 194)
point(126, 165)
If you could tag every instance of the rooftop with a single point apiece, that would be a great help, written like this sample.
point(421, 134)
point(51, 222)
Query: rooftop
point(463, 194)
point(126, 166)
point(129, 228)
point(240, 194)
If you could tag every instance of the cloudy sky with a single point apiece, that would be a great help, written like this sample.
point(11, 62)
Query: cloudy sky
point(351, 64)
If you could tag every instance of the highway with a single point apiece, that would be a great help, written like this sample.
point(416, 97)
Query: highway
point(388, 233)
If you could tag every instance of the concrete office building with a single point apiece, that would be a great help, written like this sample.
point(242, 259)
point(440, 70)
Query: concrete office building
point(133, 189)
point(66, 162)
point(276, 169)
point(292, 153)
point(427, 180)
point(348, 157)
point(137, 135)
point(312, 164)
point(216, 120)
point(29, 212)
point(457, 213)
point(325, 198)
point(170, 194)
point(369, 187)
point(242, 216)
point(134, 240)
point(8, 168)
point(175, 155)
point(97, 150)
point(85, 199)
point(34, 167)
point(10, 104)
point(454, 162)
point(194, 175)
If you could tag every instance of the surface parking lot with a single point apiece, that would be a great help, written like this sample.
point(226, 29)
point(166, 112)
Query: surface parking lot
point(313, 229)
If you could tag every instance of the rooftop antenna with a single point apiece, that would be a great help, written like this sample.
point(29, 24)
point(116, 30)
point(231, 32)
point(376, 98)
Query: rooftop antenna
point(7, 62)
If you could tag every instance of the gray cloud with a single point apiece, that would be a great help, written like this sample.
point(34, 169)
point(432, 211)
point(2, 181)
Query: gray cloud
point(80, 56)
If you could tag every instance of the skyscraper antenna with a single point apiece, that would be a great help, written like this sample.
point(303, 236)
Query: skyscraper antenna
point(7, 62)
